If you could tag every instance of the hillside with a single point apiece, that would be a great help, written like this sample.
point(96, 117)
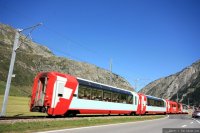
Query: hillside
point(33, 58)
point(186, 83)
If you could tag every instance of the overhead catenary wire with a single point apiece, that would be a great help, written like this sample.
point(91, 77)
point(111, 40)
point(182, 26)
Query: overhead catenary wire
point(11, 67)
point(66, 39)
point(57, 50)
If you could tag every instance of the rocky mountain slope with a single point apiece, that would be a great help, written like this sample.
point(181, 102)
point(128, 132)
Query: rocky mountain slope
point(185, 83)
point(32, 58)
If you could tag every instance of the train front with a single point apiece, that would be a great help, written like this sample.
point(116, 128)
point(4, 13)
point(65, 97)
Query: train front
point(39, 100)
point(52, 93)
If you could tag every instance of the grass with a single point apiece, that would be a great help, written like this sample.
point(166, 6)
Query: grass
point(70, 123)
point(22, 91)
point(18, 106)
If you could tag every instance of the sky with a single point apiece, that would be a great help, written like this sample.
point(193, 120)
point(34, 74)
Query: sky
point(144, 39)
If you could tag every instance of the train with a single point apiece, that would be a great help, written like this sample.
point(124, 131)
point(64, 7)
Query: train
point(59, 94)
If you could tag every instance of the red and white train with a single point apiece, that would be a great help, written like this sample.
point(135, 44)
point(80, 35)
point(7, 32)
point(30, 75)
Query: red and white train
point(62, 94)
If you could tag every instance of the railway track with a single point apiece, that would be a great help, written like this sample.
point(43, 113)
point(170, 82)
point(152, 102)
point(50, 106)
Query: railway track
point(14, 119)
point(21, 117)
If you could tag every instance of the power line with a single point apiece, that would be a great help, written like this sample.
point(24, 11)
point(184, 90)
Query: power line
point(66, 39)
point(57, 50)
point(73, 56)
point(10, 73)
point(79, 59)
point(53, 48)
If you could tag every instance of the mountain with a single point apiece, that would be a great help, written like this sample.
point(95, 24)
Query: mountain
point(184, 84)
point(33, 58)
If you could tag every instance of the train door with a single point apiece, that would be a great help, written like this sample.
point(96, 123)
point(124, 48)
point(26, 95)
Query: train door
point(60, 91)
point(180, 108)
point(171, 108)
point(167, 106)
point(40, 93)
point(62, 95)
point(177, 107)
point(141, 104)
point(174, 107)
point(138, 112)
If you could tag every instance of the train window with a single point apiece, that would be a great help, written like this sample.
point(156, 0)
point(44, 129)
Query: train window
point(151, 102)
point(115, 97)
point(148, 102)
point(130, 99)
point(99, 95)
point(135, 100)
point(81, 92)
point(162, 104)
point(88, 93)
point(155, 102)
point(123, 98)
point(84, 92)
point(107, 96)
point(94, 94)
point(60, 86)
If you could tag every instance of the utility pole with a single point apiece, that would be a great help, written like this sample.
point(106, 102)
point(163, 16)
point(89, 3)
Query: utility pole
point(110, 71)
point(136, 81)
point(177, 96)
point(188, 102)
point(12, 62)
point(139, 83)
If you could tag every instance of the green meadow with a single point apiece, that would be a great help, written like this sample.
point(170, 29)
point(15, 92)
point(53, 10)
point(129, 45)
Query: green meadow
point(18, 106)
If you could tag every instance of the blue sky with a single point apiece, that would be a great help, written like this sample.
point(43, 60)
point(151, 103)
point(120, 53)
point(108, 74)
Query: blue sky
point(146, 39)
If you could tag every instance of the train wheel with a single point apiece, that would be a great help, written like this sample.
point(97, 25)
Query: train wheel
point(50, 116)
point(132, 113)
point(71, 113)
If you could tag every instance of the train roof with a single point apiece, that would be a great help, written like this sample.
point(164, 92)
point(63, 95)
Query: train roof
point(103, 86)
point(92, 83)
point(155, 98)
